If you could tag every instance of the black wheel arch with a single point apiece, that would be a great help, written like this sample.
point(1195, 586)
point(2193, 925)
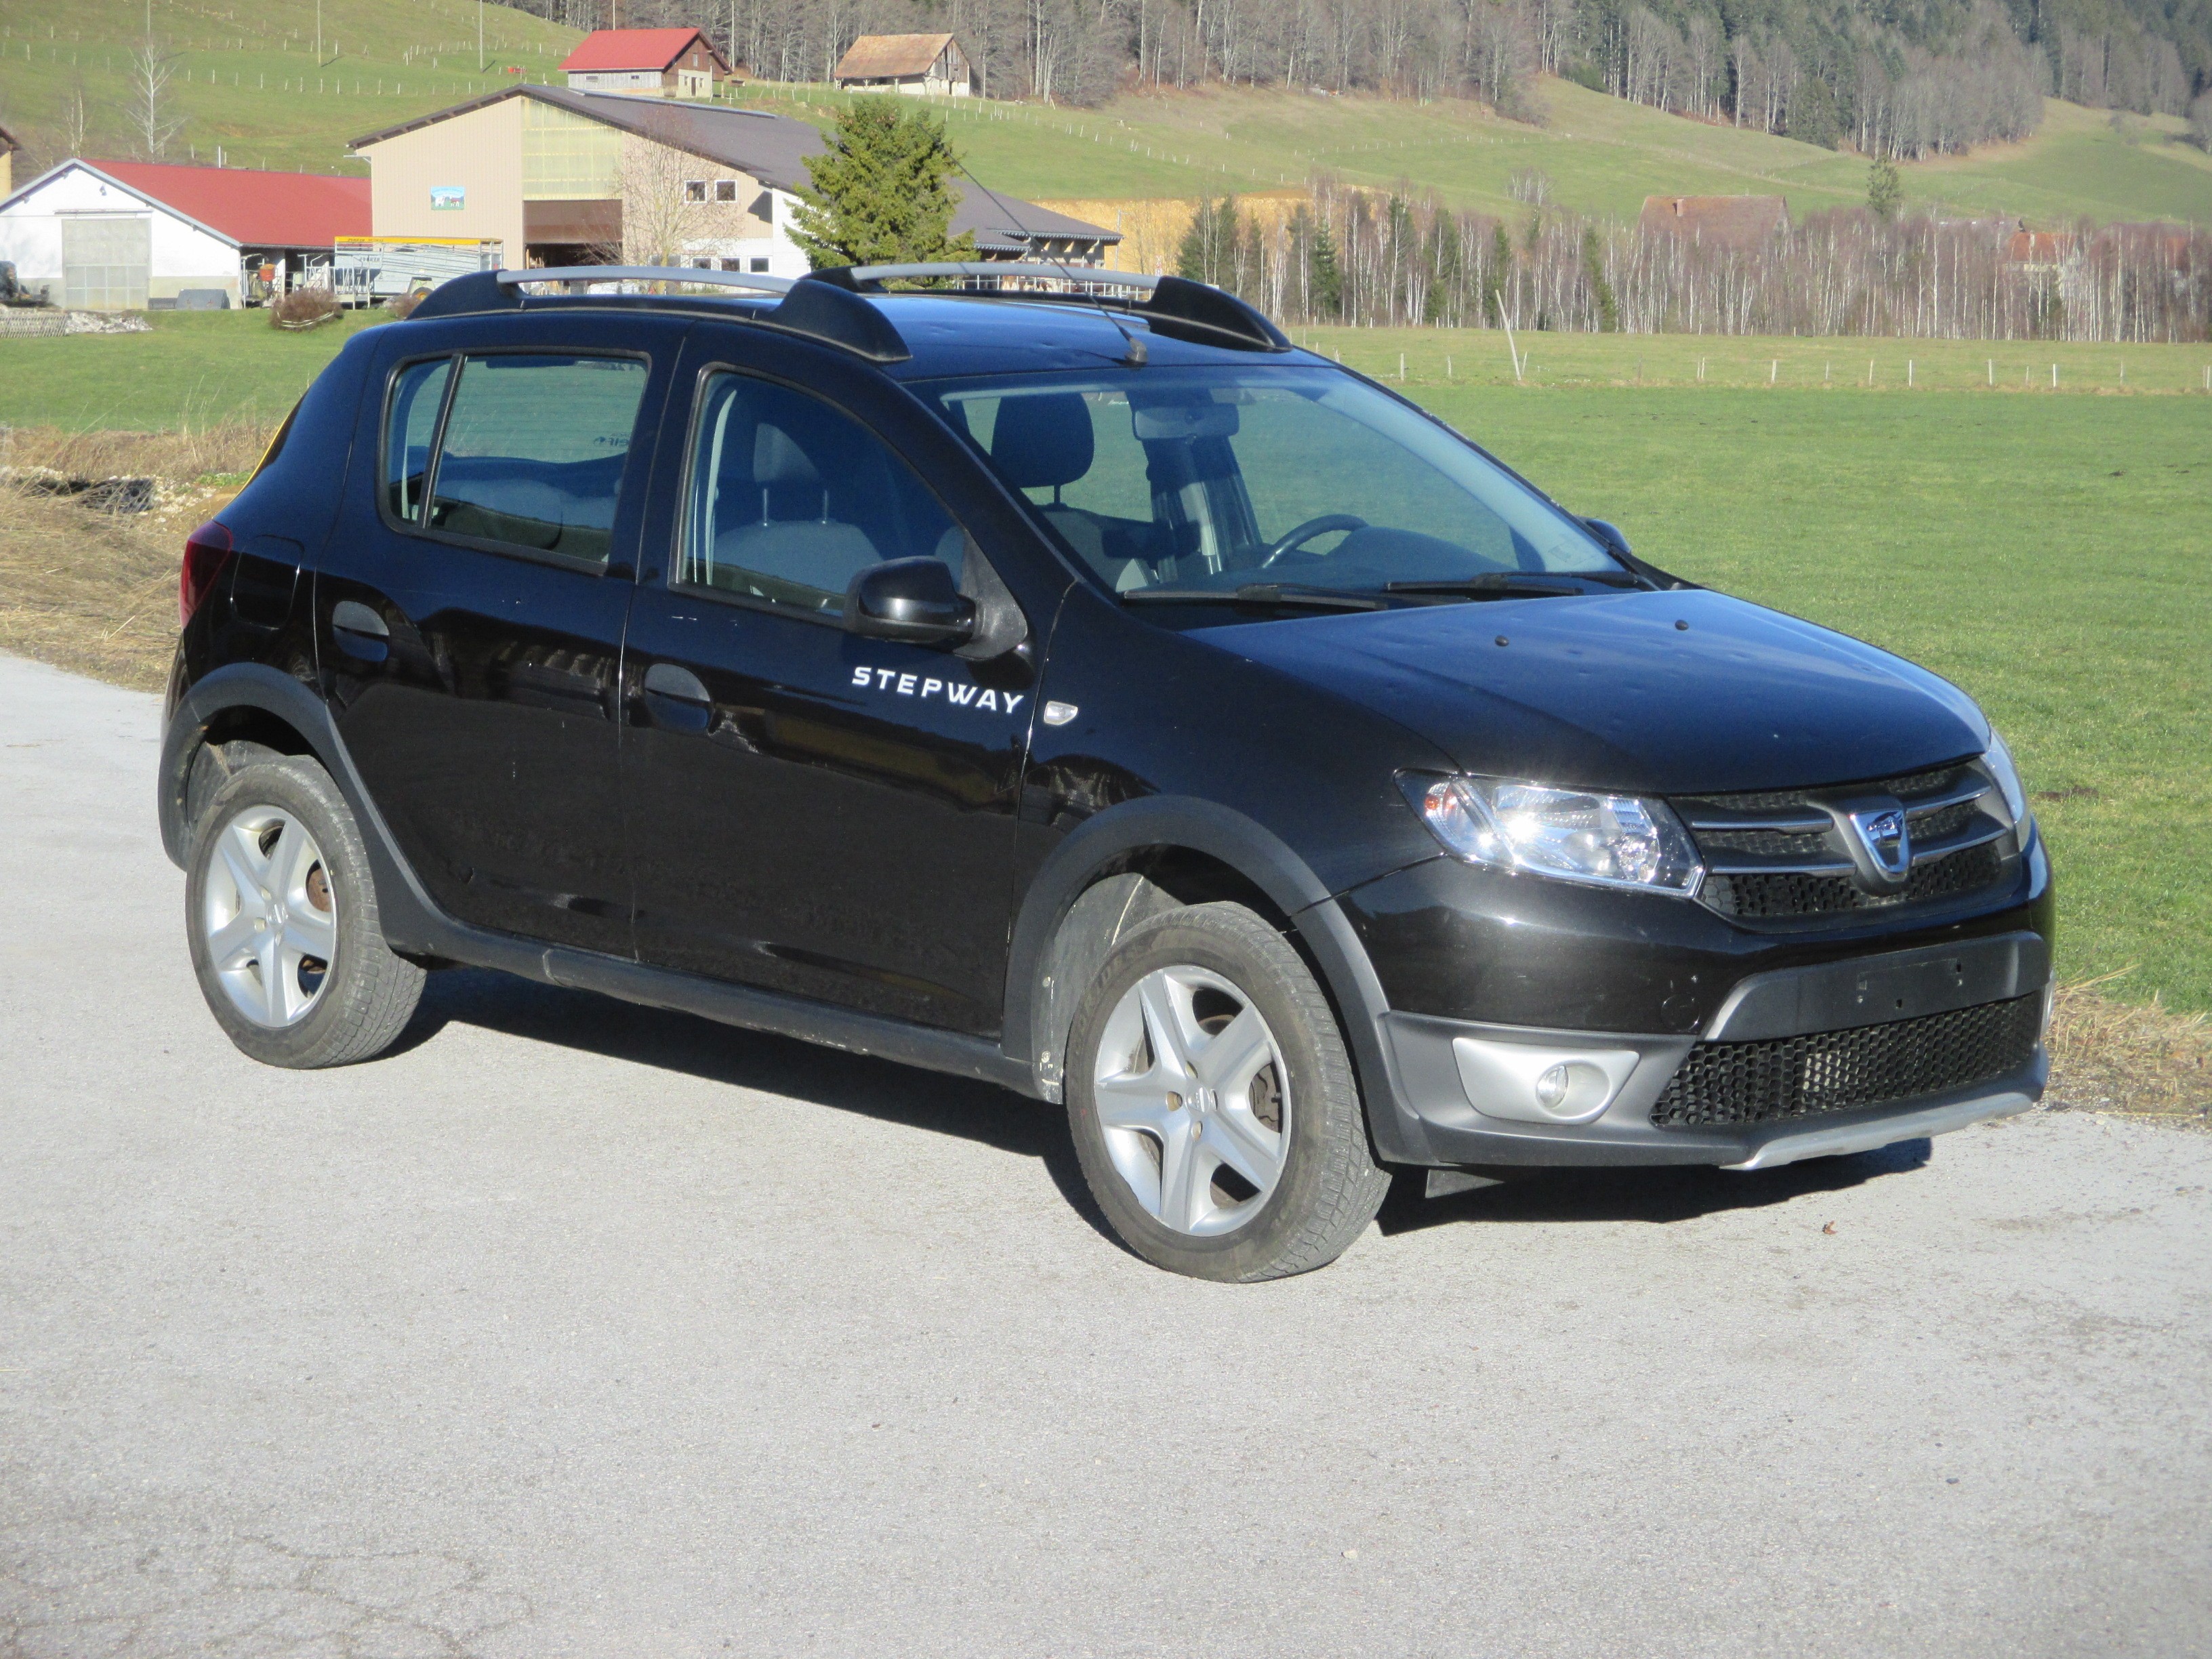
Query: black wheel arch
point(1145, 856)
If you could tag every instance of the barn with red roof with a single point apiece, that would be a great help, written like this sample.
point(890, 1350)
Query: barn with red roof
point(648, 63)
point(133, 235)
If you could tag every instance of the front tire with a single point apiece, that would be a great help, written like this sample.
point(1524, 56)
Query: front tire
point(1212, 1104)
point(281, 915)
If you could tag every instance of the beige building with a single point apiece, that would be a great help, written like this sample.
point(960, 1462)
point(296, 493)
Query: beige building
point(931, 65)
point(557, 177)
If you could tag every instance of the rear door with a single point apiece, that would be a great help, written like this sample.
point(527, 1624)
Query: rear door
point(471, 627)
point(811, 812)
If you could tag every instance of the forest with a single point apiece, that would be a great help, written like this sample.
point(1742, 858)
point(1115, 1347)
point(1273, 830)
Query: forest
point(1906, 79)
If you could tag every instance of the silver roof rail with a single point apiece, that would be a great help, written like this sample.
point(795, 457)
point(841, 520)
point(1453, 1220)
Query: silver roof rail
point(1045, 269)
point(761, 281)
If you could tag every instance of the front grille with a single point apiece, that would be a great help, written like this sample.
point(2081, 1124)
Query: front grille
point(1840, 1071)
point(1777, 855)
point(1793, 893)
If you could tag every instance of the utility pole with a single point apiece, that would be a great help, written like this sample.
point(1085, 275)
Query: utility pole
point(480, 57)
point(318, 31)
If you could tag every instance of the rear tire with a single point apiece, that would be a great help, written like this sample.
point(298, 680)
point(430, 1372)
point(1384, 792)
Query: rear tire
point(1212, 1104)
point(280, 915)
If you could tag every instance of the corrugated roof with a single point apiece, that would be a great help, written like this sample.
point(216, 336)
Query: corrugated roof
point(635, 49)
point(255, 209)
point(772, 148)
point(1731, 221)
point(889, 56)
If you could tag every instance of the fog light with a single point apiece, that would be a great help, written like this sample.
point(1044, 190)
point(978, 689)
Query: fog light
point(1540, 1083)
point(1552, 1088)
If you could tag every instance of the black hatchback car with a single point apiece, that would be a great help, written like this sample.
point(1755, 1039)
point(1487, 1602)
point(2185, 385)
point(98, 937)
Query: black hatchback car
point(1088, 693)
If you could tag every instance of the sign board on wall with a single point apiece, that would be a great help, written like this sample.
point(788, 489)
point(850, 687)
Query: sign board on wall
point(448, 198)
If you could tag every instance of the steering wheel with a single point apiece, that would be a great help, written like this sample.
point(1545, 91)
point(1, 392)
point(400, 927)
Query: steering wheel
point(1299, 535)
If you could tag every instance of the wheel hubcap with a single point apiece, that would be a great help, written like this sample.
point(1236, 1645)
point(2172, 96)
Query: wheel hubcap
point(1191, 1098)
point(269, 915)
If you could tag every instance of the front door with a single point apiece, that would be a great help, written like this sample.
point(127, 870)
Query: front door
point(811, 812)
point(471, 637)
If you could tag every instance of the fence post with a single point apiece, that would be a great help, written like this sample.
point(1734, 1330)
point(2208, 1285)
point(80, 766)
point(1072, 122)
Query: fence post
point(2054, 376)
point(1993, 371)
point(1908, 371)
point(1774, 368)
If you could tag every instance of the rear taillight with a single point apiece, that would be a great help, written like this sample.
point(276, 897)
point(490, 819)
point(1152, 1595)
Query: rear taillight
point(207, 550)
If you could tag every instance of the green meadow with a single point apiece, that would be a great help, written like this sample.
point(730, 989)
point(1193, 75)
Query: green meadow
point(2049, 551)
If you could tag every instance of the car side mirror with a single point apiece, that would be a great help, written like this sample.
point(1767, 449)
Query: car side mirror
point(1610, 536)
point(911, 599)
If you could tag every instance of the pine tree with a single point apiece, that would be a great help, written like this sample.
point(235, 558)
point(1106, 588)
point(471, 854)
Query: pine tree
point(1884, 190)
point(1208, 252)
point(882, 191)
point(1324, 282)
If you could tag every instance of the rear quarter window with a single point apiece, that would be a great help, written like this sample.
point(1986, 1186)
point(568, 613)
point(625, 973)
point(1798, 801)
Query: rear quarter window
point(525, 451)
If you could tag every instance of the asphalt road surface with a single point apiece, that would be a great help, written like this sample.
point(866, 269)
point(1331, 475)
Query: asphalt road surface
point(574, 1329)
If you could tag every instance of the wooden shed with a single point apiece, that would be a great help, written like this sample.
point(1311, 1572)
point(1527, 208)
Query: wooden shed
point(924, 64)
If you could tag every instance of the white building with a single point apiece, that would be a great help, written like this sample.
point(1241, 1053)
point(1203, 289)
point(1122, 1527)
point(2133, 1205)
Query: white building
point(128, 235)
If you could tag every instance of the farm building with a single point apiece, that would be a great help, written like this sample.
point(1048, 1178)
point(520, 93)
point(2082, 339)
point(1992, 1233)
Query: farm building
point(1738, 221)
point(556, 177)
point(7, 148)
point(128, 235)
point(647, 63)
point(925, 64)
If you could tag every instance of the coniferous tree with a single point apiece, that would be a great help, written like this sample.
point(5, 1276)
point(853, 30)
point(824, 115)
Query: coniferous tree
point(882, 191)
point(1208, 253)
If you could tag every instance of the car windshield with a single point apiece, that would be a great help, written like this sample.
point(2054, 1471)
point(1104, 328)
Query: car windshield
point(1176, 480)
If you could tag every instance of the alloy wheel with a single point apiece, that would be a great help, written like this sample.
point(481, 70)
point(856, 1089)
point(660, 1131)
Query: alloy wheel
point(270, 916)
point(1191, 1098)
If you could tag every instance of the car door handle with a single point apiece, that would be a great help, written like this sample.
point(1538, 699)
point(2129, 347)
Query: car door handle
point(675, 699)
point(666, 679)
point(359, 632)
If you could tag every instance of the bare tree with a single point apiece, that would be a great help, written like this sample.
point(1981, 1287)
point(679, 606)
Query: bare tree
point(661, 210)
point(77, 117)
point(152, 72)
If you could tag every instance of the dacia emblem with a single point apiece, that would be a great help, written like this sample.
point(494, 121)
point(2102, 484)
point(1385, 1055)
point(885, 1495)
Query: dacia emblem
point(1887, 840)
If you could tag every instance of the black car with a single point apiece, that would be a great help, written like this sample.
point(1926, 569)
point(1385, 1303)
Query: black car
point(1086, 692)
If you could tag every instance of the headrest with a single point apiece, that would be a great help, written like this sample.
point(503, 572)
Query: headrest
point(1042, 442)
point(778, 460)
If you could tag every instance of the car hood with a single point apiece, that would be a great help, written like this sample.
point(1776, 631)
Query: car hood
point(1657, 693)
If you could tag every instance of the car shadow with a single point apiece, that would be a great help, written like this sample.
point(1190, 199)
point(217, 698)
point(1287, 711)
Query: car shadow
point(1008, 1122)
point(700, 1048)
point(1656, 1195)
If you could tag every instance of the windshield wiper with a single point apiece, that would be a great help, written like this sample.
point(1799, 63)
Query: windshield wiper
point(1490, 585)
point(1262, 593)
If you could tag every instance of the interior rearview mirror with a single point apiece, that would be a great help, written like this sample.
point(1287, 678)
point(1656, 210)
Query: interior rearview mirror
point(910, 599)
point(1154, 421)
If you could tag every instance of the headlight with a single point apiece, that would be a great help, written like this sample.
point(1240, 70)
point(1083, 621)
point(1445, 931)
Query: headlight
point(1998, 759)
point(1614, 841)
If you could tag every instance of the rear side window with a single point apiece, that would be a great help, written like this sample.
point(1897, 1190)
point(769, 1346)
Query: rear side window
point(529, 453)
point(411, 426)
point(791, 498)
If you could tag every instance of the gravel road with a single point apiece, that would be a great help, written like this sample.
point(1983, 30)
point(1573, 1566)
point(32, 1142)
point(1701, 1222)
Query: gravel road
point(574, 1329)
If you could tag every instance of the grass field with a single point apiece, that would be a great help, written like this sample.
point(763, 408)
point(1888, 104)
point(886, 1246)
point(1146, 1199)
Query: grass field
point(251, 82)
point(2050, 552)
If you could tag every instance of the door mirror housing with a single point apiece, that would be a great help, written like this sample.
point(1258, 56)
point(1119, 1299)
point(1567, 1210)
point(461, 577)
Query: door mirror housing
point(1610, 536)
point(911, 599)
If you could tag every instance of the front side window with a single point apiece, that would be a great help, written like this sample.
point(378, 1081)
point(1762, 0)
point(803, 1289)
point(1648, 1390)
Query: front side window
point(532, 453)
point(790, 499)
point(1219, 477)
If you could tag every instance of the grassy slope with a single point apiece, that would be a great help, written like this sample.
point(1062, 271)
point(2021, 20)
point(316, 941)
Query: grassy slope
point(1603, 155)
point(224, 53)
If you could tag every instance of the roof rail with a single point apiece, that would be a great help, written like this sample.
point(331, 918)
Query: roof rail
point(760, 281)
point(1176, 306)
point(820, 311)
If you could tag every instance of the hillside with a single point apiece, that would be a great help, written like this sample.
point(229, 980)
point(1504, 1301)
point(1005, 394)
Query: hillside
point(249, 79)
point(251, 83)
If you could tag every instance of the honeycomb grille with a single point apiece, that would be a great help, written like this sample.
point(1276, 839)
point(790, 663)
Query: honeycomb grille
point(1793, 893)
point(1840, 1071)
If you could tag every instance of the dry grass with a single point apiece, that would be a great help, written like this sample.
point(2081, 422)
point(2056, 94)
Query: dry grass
point(2141, 1059)
point(97, 591)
